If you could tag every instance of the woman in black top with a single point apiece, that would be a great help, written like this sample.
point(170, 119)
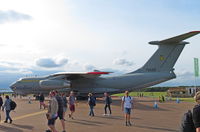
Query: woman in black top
point(196, 112)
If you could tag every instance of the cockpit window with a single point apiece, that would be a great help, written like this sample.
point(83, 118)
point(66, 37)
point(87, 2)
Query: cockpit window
point(20, 79)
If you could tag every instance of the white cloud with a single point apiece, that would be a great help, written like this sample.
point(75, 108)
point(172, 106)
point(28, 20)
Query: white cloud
point(12, 16)
point(14, 68)
point(89, 67)
point(123, 62)
point(2, 45)
point(17, 71)
point(185, 74)
point(51, 62)
point(13, 65)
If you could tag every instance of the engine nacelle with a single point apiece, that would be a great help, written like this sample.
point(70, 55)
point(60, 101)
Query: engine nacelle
point(54, 84)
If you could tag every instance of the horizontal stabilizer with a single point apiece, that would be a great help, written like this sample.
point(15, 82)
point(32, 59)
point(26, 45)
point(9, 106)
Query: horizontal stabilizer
point(176, 40)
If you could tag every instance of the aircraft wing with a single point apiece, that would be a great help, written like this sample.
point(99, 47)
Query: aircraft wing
point(177, 39)
point(78, 75)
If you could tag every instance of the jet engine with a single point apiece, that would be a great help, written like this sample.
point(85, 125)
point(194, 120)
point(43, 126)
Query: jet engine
point(54, 84)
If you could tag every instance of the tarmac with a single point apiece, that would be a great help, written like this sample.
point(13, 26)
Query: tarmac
point(29, 118)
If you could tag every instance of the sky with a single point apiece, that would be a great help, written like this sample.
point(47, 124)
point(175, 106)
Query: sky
point(41, 37)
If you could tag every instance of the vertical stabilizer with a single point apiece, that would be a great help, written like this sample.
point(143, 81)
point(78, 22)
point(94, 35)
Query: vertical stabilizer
point(167, 53)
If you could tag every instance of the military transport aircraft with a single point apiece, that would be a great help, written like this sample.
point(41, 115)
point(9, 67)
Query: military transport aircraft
point(159, 68)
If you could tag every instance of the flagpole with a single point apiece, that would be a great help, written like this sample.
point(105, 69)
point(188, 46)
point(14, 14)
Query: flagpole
point(195, 84)
point(196, 72)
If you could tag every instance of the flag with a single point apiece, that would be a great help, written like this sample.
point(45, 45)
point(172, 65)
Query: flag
point(196, 67)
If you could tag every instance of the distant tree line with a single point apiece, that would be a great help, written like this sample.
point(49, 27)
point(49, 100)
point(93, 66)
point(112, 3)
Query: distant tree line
point(155, 89)
point(159, 89)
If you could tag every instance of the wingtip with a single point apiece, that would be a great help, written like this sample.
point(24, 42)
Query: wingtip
point(195, 32)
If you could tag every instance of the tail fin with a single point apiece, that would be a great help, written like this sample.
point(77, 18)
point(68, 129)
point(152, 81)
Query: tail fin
point(167, 53)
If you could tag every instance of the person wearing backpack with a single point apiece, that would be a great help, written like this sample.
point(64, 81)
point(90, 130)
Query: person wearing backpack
point(1, 103)
point(52, 113)
point(91, 103)
point(127, 105)
point(187, 124)
point(108, 101)
point(7, 108)
point(191, 120)
point(196, 112)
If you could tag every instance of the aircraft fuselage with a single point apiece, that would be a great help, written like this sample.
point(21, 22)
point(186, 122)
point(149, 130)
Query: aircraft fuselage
point(114, 84)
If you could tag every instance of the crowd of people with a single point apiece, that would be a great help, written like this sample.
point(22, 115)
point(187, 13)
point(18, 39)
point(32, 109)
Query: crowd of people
point(59, 103)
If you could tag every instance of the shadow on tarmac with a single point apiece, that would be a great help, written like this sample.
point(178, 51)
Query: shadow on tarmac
point(137, 105)
point(111, 117)
point(9, 129)
point(86, 122)
point(23, 126)
point(140, 106)
point(156, 128)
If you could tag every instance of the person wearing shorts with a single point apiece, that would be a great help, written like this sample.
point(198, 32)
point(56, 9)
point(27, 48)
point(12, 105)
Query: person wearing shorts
point(127, 106)
point(52, 112)
point(60, 110)
point(72, 101)
point(72, 108)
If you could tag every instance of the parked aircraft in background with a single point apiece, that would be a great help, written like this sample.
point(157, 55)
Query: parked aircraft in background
point(159, 68)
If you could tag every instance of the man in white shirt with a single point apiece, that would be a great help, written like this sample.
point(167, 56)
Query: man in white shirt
point(127, 105)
